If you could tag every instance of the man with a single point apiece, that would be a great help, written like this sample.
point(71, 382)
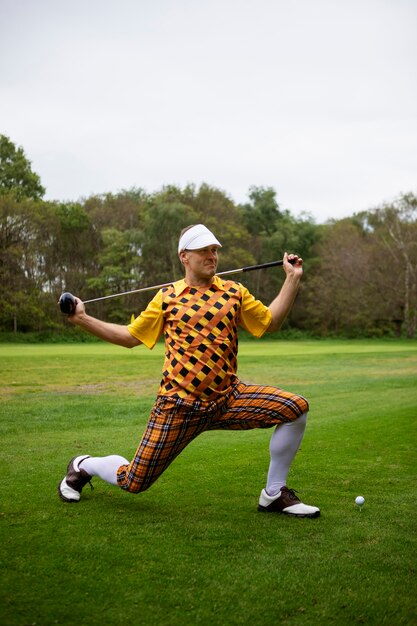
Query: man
point(199, 317)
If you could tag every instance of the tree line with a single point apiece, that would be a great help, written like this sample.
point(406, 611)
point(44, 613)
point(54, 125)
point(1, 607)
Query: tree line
point(360, 272)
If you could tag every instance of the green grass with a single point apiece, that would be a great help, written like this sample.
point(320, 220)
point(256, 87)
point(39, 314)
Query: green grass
point(193, 549)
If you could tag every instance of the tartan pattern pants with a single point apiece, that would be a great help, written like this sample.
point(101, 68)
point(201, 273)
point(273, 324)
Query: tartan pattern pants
point(175, 422)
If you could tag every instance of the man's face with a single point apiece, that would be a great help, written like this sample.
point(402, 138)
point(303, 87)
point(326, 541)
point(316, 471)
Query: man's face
point(202, 262)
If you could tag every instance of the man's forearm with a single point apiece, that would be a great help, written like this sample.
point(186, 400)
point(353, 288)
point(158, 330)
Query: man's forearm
point(113, 333)
point(282, 304)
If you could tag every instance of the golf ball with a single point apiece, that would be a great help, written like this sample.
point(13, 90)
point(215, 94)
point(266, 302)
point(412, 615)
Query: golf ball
point(360, 500)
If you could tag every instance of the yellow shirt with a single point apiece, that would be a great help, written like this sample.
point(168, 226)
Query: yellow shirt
point(200, 327)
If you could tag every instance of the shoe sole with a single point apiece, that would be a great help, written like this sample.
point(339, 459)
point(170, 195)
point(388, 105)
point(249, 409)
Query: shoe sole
point(310, 515)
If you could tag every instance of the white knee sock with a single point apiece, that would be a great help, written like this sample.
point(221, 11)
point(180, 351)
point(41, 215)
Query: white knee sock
point(285, 441)
point(105, 467)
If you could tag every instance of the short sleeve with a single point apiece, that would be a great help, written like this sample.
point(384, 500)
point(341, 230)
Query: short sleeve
point(148, 326)
point(255, 317)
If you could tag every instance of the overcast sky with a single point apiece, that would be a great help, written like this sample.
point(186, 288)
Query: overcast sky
point(315, 98)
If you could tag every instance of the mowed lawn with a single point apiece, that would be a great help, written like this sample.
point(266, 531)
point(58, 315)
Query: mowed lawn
point(194, 549)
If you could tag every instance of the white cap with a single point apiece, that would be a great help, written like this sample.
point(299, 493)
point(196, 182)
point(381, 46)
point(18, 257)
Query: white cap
point(197, 237)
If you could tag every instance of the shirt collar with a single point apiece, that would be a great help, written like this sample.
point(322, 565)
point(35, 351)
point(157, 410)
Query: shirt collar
point(181, 285)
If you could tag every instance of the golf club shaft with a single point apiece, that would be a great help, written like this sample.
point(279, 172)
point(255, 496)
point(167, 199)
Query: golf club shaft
point(248, 268)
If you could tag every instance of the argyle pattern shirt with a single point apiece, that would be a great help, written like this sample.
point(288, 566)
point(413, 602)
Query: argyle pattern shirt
point(200, 327)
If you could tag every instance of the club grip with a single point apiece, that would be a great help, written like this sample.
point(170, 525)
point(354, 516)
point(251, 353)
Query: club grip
point(248, 268)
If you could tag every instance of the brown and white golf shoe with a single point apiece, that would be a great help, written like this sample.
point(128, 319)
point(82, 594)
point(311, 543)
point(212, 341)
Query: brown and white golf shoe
point(69, 489)
point(286, 503)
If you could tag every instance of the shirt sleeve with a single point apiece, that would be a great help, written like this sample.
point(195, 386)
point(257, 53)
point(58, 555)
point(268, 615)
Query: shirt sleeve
point(148, 326)
point(255, 317)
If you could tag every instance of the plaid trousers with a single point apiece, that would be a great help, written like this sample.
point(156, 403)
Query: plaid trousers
point(175, 422)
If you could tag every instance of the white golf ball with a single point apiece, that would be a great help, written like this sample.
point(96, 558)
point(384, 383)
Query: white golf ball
point(360, 500)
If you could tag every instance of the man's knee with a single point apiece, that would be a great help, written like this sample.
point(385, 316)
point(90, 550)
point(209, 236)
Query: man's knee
point(134, 487)
point(132, 482)
point(303, 406)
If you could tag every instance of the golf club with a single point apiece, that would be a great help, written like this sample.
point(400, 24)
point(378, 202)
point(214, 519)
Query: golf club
point(67, 302)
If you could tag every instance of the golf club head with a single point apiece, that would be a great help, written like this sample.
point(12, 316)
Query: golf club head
point(67, 303)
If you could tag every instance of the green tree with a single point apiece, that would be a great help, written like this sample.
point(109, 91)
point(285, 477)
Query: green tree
point(274, 231)
point(120, 271)
point(394, 229)
point(340, 294)
point(123, 210)
point(16, 173)
point(364, 280)
point(20, 275)
point(71, 248)
point(262, 213)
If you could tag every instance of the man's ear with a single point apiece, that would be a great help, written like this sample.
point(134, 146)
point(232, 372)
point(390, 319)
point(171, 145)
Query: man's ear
point(183, 257)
